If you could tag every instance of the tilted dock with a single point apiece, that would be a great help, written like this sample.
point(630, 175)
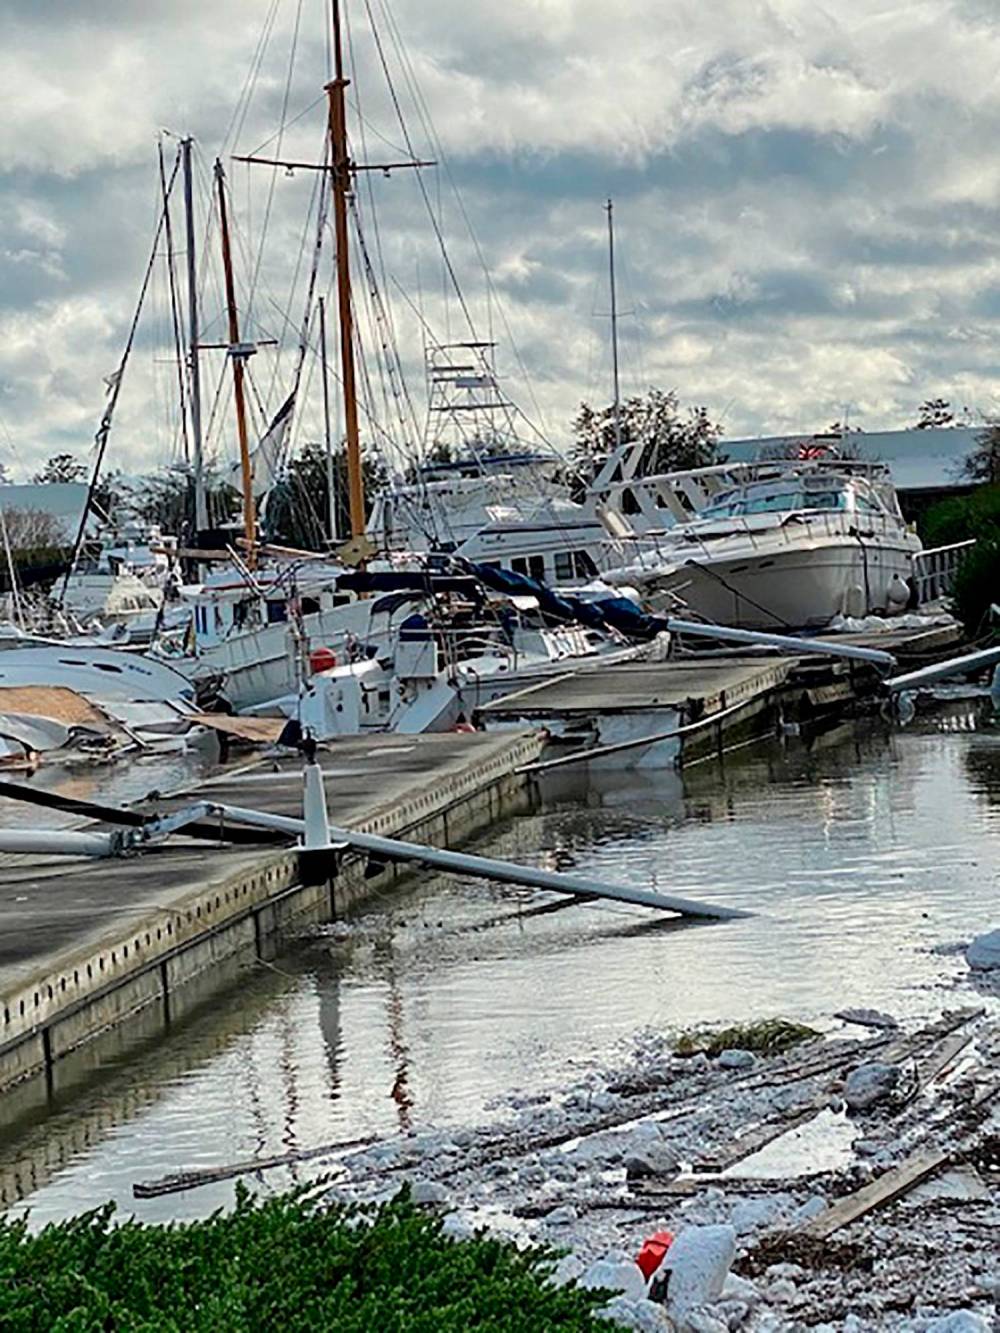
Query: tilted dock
point(85, 945)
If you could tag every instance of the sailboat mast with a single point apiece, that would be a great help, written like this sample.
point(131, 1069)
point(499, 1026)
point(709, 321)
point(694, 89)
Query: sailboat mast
point(238, 354)
point(342, 187)
point(609, 209)
point(194, 396)
point(331, 491)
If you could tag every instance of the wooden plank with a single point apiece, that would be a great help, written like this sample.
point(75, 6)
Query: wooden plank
point(179, 1181)
point(759, 1136)
point(889, 1186)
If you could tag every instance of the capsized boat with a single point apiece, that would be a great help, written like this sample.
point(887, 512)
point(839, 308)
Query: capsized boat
point(781, 544)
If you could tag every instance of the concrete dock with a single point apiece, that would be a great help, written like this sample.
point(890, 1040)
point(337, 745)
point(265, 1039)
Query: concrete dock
point(87, 945)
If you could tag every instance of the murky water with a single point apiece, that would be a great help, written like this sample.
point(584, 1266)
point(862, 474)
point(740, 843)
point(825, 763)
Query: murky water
point(865, 855)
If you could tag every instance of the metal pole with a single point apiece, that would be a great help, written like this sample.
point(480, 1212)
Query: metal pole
point(954, 666)
point(200, 498)
point(610, 208)
point(787, 642)
point(331, 490)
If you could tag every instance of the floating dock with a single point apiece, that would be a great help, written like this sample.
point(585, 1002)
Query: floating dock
point(646, 714)
point(87, 945)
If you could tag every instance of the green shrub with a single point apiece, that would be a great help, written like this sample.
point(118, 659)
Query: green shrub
point(280, 1263)
point(975, 515)
point(768, 1036)
point(977, 583)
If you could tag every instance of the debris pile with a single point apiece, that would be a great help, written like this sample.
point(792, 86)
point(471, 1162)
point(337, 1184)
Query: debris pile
point(846, 1184)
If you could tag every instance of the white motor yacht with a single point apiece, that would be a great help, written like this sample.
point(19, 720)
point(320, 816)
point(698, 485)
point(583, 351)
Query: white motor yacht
point(781, 544)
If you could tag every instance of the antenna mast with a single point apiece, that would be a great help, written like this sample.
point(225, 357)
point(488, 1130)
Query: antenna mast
point(609, 209)
point(238, 353)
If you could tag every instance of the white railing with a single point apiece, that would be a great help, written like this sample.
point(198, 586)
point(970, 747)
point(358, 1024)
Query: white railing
point(934, 570)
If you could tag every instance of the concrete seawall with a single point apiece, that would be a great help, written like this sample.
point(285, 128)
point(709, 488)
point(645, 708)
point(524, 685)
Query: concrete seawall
point(86, 947)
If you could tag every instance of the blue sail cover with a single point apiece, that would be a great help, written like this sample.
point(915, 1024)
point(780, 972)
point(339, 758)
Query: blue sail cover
point(618, 613)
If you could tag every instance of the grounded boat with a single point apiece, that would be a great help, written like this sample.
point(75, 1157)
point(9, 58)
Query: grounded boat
point(781, 544)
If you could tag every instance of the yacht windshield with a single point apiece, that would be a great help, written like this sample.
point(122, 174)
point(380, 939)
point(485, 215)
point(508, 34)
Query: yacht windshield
point(778, 501)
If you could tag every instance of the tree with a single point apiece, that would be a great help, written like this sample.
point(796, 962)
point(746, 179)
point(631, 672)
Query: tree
point(166, 497)
point(61, 468)
point(935, 413)
point(296, 512)
point(983, 464)
point(673, 439)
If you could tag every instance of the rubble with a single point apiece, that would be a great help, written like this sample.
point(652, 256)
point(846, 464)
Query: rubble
point(850, 1242)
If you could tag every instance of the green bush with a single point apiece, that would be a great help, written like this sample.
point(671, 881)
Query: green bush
point(977, 583)
point(975, 515)
point(768, 1036)
point(280, 1263)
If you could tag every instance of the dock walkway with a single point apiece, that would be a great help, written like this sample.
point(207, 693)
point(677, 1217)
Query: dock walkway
point(85, 944)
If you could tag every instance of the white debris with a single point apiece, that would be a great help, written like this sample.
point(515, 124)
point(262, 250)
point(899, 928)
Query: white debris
point(752, 1214)
point(653, 1158)
point(646, 1316)
point(736, 1288)
point(983, 954)
point(567, 1270)
point(962, 1321)
point(870, 1083)
point(428, 1192)
point(703, 1320)
point(734, 1059)
point(457, 1227)
point(616, 1272)
point(698, 1261)
point(867, 1018)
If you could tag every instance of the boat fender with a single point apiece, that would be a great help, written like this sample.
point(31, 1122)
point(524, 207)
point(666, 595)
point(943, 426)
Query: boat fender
point(322, 659)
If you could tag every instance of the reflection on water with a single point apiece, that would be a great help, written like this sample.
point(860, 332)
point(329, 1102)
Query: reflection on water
point(862, 854)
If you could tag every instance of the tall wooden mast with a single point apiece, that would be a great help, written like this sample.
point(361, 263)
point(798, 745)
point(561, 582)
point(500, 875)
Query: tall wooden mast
point(342, 173)
point(238, 353)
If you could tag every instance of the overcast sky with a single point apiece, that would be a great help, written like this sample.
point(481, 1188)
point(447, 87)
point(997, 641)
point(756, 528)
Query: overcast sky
point(806, 200)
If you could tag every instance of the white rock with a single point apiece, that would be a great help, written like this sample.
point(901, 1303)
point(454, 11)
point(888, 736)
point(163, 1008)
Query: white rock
point(698, 1261)
point(782, 1292)
point(702, 1320)
point(617, 1272)
point(567, 1270)
point(646, 1316)
point(428, 1191)
point(456, 1227)
point(751, 1214)
point(962, 1321)
point(734, 1059)
point(870, 1083)
point(806, 1211)
point(652, 1159)
point(868, 1018)
point(983, 953)
point(734, 1313)
point(793, 1271)
point(736, 1288)
point(561, 1217)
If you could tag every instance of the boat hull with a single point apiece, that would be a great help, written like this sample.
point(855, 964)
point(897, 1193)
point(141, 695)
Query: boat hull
point(800, 587)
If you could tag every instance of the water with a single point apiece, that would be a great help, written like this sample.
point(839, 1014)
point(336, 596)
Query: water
point(867, 855)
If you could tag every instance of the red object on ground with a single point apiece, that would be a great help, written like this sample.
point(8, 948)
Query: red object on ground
point(463, 726)
point(654, 1247)
point(322, 659)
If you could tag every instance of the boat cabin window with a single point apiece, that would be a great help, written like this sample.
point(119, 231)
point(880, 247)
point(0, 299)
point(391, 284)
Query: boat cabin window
point(564, 565)
point(532, 565)
point(774, 502)
point(574, 565)
point(277, 612)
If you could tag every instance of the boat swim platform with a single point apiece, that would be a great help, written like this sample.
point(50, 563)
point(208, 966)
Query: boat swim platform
point(87, 945)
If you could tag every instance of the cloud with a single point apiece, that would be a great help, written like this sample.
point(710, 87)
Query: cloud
point(807, 204)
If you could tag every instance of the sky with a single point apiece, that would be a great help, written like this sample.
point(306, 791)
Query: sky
point(806, 206)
